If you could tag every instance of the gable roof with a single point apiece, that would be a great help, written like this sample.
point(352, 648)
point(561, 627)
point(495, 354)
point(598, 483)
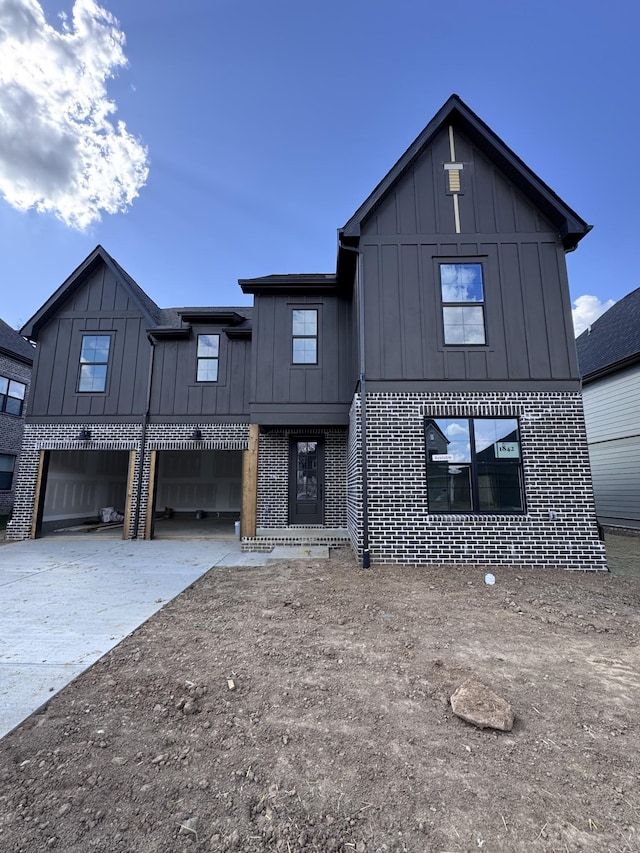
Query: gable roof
point(613, 341)
point(99, 256)
point(14, 345)
point(455, 112)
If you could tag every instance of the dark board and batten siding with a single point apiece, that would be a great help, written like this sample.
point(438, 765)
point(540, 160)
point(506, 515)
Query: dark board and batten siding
point(176, 394)
point(527, 305)
point(101, 305)
point(276, 381)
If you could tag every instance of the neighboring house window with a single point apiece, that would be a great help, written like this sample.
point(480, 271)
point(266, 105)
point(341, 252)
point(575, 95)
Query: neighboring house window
point(462, 292)
point(208, 358)
point(474, 465)
point(12, 395)
point(305, 335)
point(94, 360)
point(6, 471)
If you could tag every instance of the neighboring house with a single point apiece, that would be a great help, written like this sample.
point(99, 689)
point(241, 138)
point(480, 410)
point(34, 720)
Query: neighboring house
point(421, 402)
point(16, 359)
point(609, 358)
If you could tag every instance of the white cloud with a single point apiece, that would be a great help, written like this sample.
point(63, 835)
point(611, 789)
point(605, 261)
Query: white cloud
point(586, 310)
point(60, 149)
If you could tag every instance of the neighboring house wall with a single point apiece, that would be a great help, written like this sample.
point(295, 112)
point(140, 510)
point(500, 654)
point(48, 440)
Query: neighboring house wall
point(12, 425)
point(612, 412)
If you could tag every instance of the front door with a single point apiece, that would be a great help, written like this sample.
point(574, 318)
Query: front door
point(306, 480)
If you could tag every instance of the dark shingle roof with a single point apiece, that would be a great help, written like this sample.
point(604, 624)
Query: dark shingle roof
point(613, 339)
point(14, 344)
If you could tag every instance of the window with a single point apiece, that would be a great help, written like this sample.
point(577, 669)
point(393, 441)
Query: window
point(208, 357)
point(6, 471)
point(12, 395)
point(305, 336)
point(94, 360)
point(462, 292)
point(473, 465)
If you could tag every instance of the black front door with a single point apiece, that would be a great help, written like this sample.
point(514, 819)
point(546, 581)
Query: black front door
point(306, 480)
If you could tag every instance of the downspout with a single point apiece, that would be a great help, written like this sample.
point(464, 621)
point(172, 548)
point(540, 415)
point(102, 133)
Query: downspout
point(366, 556)
point(143, 440)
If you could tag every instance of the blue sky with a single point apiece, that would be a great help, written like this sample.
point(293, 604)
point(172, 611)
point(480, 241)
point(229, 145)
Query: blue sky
point(244, 133)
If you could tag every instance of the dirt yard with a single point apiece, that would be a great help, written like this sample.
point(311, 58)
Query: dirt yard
point(305, 707)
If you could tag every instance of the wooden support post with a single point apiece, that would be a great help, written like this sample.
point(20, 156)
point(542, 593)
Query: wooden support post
point(250, 484)
point(39, 495)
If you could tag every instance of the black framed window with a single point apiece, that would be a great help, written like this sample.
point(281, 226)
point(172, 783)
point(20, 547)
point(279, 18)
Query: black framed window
point(94, 362)
point(12, 394)
point(208, 357)
point(462, 293)
point(474, 465)
point(304, 327)
point(7, 463)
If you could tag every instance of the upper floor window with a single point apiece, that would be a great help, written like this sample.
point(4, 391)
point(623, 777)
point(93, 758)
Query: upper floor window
point(474, 465)
point(305, 335)
point(6, 471)
point(462, 292)
point(12, 395)
point(94, 361)
point(208, 358)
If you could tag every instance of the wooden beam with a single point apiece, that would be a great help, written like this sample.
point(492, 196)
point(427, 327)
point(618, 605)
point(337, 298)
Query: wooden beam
point(35, 515)
point(250, 484)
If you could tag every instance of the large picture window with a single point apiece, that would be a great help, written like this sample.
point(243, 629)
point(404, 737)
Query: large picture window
point(208, 358)
point(12, 396)
point(474, 465)
point(94, 361)
point(304, 327)
point(462, 292)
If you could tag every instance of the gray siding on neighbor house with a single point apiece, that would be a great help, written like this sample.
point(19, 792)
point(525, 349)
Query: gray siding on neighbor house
point(101, 305)
point(612, 414)
point(527, 304)
point(284, 392)
point(177, 395)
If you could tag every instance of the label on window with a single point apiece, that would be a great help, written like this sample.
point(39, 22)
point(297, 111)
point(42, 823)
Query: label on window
point(507, 450)
point(442, 457)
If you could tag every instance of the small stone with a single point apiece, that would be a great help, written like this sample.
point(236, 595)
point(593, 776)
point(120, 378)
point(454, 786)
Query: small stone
point(476, 703)
point(64, 809)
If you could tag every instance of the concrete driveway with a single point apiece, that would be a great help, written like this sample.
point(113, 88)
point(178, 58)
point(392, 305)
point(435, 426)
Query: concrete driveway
point(65, 601)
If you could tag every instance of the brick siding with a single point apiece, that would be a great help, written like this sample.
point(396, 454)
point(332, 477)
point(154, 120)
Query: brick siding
point(273, 478)
point(559, 526)
point(11, 426)
point(120, 436)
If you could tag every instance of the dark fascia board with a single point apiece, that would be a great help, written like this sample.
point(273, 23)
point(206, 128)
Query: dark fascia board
point(290, 283)
point(169, 332)
point(571, 227)
point(74, 281)
point(210, 315)
point(235, 334)
point(616, 367)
